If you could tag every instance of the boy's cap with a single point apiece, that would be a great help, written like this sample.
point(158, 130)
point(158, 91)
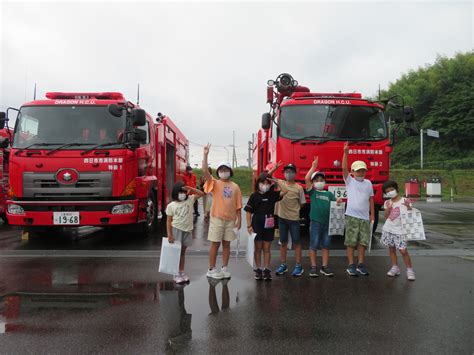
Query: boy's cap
point(316, 174)
point(358, 165)
point(224, 163)
point(290, 167)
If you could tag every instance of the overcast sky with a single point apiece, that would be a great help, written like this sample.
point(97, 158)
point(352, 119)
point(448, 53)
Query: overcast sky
point(206, 64)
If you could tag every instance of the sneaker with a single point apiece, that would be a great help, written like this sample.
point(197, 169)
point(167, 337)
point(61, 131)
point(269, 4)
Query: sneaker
point(313, 272)
point(326, 271)
point(185, 277)
point(215, 274)
point(282, 269)
point(351, 270)
point(225, 271)
point(258, 274)
point(410, 275)
point(178, 279)
point(394, 271)
point(267, 274)
point(298, 270)
point(361, 269)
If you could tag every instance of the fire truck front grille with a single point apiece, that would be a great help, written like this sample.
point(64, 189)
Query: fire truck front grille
point(44, 185)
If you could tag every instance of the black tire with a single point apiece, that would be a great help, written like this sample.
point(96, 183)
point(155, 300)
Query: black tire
point(146, 228)
point(4, 218)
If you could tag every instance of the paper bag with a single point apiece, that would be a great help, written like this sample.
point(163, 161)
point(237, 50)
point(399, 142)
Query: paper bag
point(170, 255)
point(251, 249)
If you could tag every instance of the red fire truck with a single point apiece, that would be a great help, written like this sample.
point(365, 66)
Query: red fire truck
point(91, 159)
point(4, 155)
point(302, 124)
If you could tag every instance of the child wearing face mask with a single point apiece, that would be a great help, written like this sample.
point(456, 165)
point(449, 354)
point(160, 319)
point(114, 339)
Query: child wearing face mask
point(225, 214)
point(179, 221)
point(319, 216)
point(359, 213)
point(393, 235)
point(261, 220)
point(288, 212)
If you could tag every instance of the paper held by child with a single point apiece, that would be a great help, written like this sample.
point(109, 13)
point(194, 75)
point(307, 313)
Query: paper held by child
point(169, 258)
point(412, 224)
point(251, 249)
point(337, 220)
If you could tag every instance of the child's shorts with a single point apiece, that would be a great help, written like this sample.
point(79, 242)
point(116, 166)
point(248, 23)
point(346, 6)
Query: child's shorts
point(357, 232)
point(393, 240)
point(318, 236)
point(258, 226)
point(185, 238)
point(292, 227)
point(221, 229)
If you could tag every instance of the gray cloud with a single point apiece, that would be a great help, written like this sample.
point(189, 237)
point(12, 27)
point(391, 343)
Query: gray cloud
point(206, 64)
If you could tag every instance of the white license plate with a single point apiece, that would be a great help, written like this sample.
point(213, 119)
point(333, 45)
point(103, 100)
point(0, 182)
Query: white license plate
point(66, 218)
point(338, 191)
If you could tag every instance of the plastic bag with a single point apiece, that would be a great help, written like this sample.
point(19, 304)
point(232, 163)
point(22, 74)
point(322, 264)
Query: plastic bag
point(251, 249)
point(337, 218)
point(170, 255)
point(412, 224)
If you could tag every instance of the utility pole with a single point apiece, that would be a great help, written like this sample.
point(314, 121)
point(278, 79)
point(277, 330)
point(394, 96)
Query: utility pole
point(250, 147)
point(234, 155)
point(421, 149)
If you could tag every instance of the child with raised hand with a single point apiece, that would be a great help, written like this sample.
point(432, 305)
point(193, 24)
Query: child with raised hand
point(393, 235)
point(359, 213)
point(225, 214)
point(179, 221)
point(261, 220)
point(319, 216)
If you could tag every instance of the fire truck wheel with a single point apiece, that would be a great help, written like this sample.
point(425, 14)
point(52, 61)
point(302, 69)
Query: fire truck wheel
point(3, 216)
point(149, 226)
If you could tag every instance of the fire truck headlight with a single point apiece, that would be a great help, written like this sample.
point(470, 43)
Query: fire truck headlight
point(122, 209)
point(15, 209)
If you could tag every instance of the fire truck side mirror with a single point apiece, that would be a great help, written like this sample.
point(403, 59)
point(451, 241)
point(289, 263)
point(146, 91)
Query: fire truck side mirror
point(3, 120)
point(115, 110)
point(266, 120)
point(138, 117)
point(408, 114)
point(4, 142)
point(270, 95)
point(139, 135)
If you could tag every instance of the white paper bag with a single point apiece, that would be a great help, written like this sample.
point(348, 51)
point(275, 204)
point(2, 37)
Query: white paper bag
point(412, 223)
point(170, 255)
point(237, 236)
point(251, 249)
point(371, 235)
point(337, 218)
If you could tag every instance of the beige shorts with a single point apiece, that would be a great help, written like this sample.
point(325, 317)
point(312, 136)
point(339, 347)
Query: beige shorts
point(221, 229)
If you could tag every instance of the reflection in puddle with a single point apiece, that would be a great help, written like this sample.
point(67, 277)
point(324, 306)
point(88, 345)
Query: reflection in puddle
point(225, 302)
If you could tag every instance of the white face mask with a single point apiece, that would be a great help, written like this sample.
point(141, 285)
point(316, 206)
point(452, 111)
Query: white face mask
point(290, 175)
point(360, 178)
point(182, 196)
point(264, 187)
point(392, 194)
point(224, 175)
point(319, 185)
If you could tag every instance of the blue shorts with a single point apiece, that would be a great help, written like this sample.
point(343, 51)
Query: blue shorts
point(285, 226)
point(318, 236)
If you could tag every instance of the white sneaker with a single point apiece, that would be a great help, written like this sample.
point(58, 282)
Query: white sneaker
point(215, 274)
point(410, 275)
point(225, 271)
point(185, 277)
point(178, 279)
point(394, 271)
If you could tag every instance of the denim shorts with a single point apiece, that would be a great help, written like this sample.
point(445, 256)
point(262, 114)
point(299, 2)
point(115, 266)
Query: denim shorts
point(319, 237)
point(285, 226)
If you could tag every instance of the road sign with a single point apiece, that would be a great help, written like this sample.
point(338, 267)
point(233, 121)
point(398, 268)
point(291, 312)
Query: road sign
point(432, 133)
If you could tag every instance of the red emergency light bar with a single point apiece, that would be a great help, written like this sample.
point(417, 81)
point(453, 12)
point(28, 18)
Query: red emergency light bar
point(85, 95)
point(353, 95)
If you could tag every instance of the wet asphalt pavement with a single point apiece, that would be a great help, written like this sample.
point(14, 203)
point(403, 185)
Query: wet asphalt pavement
point(99, 294)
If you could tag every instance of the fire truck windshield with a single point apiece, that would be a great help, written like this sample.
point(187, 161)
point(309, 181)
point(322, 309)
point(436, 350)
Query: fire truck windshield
point(46, 127)
point(332, 122)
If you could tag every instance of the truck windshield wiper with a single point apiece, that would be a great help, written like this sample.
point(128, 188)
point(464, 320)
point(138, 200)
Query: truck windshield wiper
point(304, 138)
point(35, 144)
point(67, 145)
point(99, 146)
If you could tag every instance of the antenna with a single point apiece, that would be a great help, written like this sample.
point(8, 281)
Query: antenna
point(34, 93)
point(138, 94)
